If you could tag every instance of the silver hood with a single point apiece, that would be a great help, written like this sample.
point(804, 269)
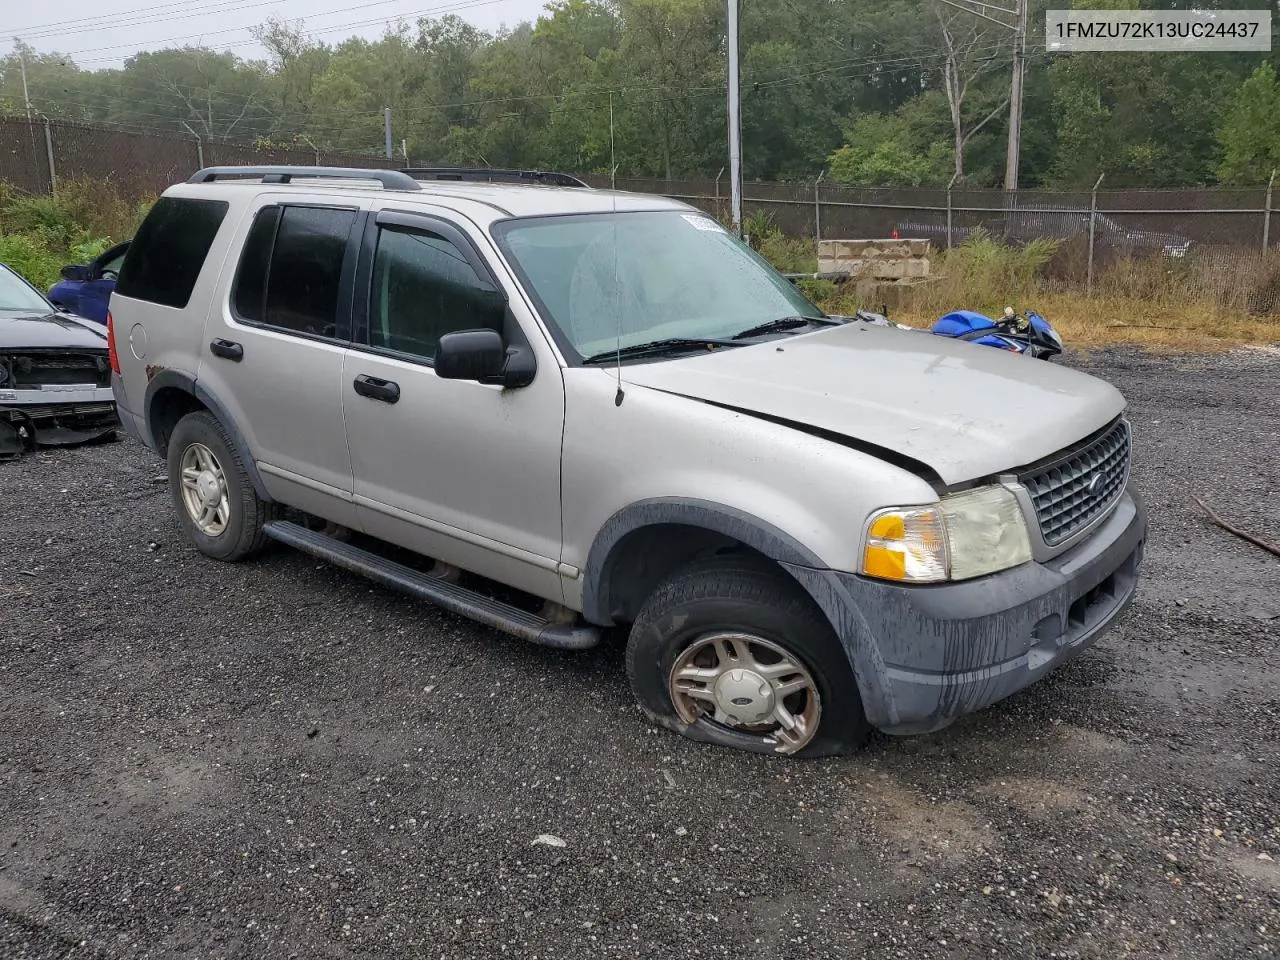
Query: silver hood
point(966, 411)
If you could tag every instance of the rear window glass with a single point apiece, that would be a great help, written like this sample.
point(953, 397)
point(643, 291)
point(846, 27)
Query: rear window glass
point(165, 258)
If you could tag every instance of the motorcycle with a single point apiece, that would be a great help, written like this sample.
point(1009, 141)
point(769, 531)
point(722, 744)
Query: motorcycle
point(1031, 335)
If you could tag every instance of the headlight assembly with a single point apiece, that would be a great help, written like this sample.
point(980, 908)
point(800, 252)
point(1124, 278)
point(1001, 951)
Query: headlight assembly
point(964, 535)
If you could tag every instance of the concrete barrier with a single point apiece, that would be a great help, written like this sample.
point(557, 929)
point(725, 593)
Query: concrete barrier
point(891, 260)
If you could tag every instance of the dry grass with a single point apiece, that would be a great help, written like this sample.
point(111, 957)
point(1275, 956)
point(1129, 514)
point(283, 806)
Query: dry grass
point(1211, 302)
point(1086, 324)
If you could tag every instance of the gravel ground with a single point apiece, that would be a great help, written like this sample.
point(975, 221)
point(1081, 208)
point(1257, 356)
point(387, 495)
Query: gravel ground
point(277, 759)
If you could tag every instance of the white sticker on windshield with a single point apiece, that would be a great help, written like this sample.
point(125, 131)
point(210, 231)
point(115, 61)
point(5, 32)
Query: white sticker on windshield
point(702, 223)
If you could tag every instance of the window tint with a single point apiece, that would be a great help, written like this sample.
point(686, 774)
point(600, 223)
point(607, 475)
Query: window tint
point(423, 288)
point(165, 257)
point(249, 299)
point(306, 269)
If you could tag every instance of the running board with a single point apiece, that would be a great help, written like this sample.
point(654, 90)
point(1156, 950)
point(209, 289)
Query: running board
point(442, 593)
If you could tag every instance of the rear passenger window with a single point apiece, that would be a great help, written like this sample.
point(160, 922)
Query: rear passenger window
point(166, 255)
point(291, 268)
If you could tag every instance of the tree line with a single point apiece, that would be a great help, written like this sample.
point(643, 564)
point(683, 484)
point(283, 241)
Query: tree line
point(873, 92)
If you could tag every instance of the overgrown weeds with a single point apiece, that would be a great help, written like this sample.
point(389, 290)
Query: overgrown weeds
point(1210, 299)
point(41, 234)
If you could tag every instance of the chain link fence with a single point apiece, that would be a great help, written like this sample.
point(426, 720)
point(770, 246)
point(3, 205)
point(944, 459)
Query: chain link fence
point(35, 155)
point(1218, 240)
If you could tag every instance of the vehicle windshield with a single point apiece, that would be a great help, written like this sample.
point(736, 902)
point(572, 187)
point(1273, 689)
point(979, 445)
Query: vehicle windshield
point(621, 279)
point(17, 296)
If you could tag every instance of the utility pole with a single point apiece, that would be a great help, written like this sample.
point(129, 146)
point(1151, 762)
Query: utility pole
point(735, 122)
point(979, 8)
point(386, 125)
point(1014, 152)
point(22, 64)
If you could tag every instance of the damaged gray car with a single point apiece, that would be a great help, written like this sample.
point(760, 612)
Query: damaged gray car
point(55, 373)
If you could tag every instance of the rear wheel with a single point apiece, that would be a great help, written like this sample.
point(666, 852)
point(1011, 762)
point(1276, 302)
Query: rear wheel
point(214, 498)
point(733, 652)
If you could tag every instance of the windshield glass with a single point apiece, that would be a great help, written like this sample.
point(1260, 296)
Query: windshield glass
point(17, 295)
point(640, 277)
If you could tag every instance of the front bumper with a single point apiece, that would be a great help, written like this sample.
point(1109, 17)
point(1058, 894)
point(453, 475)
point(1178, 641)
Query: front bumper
point(60, 416)
point(926, 655)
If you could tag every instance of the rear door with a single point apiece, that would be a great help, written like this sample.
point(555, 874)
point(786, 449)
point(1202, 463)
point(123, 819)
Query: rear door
point(275, 340)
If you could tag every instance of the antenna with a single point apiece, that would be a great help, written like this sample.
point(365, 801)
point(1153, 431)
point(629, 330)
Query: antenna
point(613, 220)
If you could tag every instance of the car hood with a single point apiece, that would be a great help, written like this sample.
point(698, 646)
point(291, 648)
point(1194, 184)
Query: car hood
point(965, 411)
point(39, 331)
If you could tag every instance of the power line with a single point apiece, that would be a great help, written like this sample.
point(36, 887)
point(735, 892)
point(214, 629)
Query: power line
point(848, 68)
point(448, 8)
point(132, 18)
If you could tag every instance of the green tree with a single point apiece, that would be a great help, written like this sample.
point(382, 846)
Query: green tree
point(1250, 132)
point(879, 152)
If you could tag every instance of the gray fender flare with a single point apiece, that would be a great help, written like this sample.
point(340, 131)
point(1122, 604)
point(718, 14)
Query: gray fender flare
point(177, 379)
point(822, 584)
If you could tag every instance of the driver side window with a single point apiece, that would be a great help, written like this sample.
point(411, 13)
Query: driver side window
point(111, 268)
point(423, 288)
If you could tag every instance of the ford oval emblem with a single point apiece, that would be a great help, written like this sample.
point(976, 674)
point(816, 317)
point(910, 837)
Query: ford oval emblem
point(1095, 485)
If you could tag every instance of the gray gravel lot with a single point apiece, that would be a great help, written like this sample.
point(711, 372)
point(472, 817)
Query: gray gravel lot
point(277, 759)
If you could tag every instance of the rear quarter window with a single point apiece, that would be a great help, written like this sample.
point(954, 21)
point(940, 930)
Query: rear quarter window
point(168, 252)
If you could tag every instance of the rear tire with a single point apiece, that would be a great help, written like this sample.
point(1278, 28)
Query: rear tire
point(732, 651)
point(217, 506)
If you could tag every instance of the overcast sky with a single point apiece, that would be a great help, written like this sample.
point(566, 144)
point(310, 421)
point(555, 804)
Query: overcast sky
point(102, 33)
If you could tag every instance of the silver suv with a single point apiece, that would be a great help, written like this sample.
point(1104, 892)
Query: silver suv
point(574, 409)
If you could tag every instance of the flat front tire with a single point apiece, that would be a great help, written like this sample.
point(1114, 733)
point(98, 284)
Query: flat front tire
point(733, 652)
point(218, 508)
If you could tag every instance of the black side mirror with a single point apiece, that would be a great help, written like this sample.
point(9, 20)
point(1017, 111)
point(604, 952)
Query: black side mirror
point(77, 272)
point(471, 355)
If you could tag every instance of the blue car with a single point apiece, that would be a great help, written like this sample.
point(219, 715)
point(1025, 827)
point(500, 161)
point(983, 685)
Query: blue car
point(85, 289)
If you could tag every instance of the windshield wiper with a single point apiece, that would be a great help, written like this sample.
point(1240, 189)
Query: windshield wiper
point(783, 323)
point(656, 347)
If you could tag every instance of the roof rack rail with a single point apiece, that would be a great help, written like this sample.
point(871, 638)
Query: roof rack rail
point(390, 179)
point(495, 175)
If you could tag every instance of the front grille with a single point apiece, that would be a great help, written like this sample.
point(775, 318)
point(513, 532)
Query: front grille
point(31, 370)
point(1061, 492)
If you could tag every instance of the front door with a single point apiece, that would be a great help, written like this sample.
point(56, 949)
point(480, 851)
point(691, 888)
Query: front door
point(464, 472)
point(274, 348)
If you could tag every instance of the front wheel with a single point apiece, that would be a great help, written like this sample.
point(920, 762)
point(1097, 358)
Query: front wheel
point(733, 652)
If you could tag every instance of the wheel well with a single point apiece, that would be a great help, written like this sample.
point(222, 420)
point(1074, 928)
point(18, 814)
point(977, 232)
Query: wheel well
point(168, 406)
point(642, 559)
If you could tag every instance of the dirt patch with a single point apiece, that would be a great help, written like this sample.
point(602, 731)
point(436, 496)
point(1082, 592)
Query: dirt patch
point(1039, 797)
point(920, 830)
point(1262, 868)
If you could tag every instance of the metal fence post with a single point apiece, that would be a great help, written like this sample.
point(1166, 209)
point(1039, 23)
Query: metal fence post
point(48, 146)
point(199, 144)
point(949, 186)
point(1266, 217)
point(718, 176)
point(817, 208)
point(1093, 222)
